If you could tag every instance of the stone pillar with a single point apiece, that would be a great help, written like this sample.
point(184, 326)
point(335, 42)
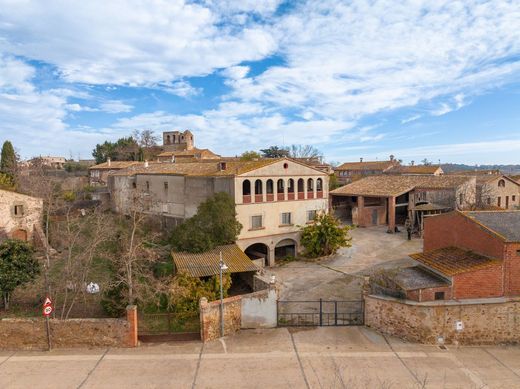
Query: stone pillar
point(203, 307)
point(361, 211)
point(131, 317)
point(391, 214)
point(270, 256)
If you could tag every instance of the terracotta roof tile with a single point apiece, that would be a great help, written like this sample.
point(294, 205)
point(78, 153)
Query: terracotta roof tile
point(415, 169)
point(451, 261)
point(115, 165)
point(395, 185)
point(368, 165)
point(207, 264)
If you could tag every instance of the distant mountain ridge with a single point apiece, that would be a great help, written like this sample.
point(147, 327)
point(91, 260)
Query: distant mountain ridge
point(506, 169)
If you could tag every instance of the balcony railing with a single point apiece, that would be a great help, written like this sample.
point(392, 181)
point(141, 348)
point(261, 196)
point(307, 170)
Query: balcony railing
point(301, 195)
point(259, 198)
point(270, 197)
point(246, 199)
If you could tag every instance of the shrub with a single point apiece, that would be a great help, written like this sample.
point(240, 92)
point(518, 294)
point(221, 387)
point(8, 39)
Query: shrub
point(325, 236)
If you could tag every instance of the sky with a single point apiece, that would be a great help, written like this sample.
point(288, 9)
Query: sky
point(417, 79)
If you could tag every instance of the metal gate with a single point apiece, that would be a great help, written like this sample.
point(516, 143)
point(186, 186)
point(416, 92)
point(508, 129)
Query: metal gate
point(168, 326)
point(320, 313)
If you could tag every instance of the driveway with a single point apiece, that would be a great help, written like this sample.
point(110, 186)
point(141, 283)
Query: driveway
point(325, 357)
point(340, 277)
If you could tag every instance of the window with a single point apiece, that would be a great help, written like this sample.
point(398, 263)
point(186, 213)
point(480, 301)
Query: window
point(258, 187)
point(501, 183)
point(286, 165)
point(311, 215)
point(439, 296)
point(280, 186)
point(165, 185)
point(246, 188)
point(147, 186)
point(286, 219)
point(489, 200)
point(461, 198)
point(290, 187)
point(269, 187)
point(18, 210)
point(310, 185)
point(256, 221)
point(513, 198)
point(301, 184)
point(319, 185)
point(499, 201)
point(134, 185)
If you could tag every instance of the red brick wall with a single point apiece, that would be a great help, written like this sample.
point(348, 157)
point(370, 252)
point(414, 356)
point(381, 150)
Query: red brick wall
point(365, 219)
point(483, 283)
point(454, 229)
point(428, 294)
point(512, 263)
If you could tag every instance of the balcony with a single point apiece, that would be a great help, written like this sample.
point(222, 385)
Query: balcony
point(310, 195)
point(290, 196)
point(259, 198)
point(280, 196)
point(319, 194)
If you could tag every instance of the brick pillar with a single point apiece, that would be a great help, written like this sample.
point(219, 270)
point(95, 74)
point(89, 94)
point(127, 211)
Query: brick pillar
point(131, 317)
point(391, 215)
point(270, 256)
point(361, 211)
point(203, 308)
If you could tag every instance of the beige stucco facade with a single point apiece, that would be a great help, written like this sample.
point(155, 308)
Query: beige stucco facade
point(19, 214)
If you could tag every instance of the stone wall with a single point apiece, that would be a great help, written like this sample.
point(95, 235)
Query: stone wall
point(210, 317)
point(485, 321)
point(30, 334)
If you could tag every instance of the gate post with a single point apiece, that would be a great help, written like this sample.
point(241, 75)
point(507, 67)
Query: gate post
point(335, 313)
point(131, 317)
point(321, 313)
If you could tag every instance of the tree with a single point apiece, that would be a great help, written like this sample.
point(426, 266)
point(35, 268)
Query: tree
point(250, 155)
point(17, 267)
point(214, 224)
point(333, 182)
point(147, 142)
point(325, 236)
point(275, 152)
point(124, 149)
point(8, 159)
point(305, 151)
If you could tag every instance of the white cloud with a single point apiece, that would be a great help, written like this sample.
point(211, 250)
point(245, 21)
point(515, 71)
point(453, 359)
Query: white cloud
point(115, 106)
point(131, 42)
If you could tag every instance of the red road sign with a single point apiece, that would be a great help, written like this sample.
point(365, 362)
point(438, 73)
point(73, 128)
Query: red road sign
point(47, 310)
point(47, 302)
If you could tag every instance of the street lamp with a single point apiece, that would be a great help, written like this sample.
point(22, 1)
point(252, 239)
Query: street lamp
point(222, 267)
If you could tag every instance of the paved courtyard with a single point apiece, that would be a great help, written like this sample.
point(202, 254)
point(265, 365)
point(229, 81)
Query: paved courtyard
point(340, 277)
point(333, 357)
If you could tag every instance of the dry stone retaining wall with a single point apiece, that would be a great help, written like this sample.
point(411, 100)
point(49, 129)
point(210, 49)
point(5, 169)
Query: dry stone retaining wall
point(484, 321)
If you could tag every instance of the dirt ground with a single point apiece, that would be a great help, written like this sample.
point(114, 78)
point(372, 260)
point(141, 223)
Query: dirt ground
point(340, 277)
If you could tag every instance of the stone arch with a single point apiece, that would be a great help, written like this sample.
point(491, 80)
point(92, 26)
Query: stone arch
point(319, 185)
point(258, 251)
point(246, 188)
point(501, 183)
point(310, 185)
point(259, 187)
point(285, 247)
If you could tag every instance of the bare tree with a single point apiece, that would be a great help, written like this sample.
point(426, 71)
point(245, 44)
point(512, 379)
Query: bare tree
point(305, 151)
point(145, 138)
point(82, 235)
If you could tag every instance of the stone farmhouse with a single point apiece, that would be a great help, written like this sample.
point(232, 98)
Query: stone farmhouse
point(498, 191)
point(467, 255)
point(273, 197)
point(391, 199)
point(352, 171)
point(20, 215)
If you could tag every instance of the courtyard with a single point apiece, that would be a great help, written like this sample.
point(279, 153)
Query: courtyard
point(333, 357)
point(340, 277)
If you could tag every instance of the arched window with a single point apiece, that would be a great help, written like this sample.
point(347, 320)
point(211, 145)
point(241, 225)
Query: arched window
point(269, 187)
point(501, 183)
point(310, 185)
point(301, 184)
point(319, 185)
point(258, 187)
point(246, 188)
point(280, 186)
point(290, 186)
point(168, 141)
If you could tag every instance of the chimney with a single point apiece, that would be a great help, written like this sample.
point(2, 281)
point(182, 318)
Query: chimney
point(222, 166)
point(109, 161)
point(360, 159)
point(146, 164)
point(412, 163)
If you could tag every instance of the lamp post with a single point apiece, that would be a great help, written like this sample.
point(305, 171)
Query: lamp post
point(222, 267)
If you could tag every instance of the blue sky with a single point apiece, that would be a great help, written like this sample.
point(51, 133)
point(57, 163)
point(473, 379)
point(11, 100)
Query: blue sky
point(418, 79)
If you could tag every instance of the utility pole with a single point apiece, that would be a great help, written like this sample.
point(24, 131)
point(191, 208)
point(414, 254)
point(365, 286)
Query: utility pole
point(222, 266)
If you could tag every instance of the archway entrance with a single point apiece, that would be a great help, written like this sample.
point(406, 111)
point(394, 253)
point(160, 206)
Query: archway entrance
point(285, 248)
point(20, 234)
point(258, 253)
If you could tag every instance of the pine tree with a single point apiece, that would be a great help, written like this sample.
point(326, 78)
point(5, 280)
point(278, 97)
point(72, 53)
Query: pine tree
point(8, 159)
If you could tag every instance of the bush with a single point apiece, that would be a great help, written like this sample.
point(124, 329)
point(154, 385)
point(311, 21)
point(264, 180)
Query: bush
point(17, 267)
point(325, 236)
point(114, 301)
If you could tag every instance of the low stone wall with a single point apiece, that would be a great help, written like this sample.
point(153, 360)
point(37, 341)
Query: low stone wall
point(30, 334)
point(259, 309)
point(210, 317)
point(484, 321)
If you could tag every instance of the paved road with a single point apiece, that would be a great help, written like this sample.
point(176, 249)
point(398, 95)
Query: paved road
point(333, 357)
point(340, 276)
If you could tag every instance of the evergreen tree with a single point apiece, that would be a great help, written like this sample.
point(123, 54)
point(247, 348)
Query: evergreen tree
point(8, 159)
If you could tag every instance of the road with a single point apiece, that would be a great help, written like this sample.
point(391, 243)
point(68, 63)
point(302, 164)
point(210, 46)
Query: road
point(326, 357)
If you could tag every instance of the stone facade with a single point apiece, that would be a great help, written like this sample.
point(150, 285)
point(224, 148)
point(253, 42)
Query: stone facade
point(498, 191)
point(489, 321)
point(210, 317)
point(19, 215)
